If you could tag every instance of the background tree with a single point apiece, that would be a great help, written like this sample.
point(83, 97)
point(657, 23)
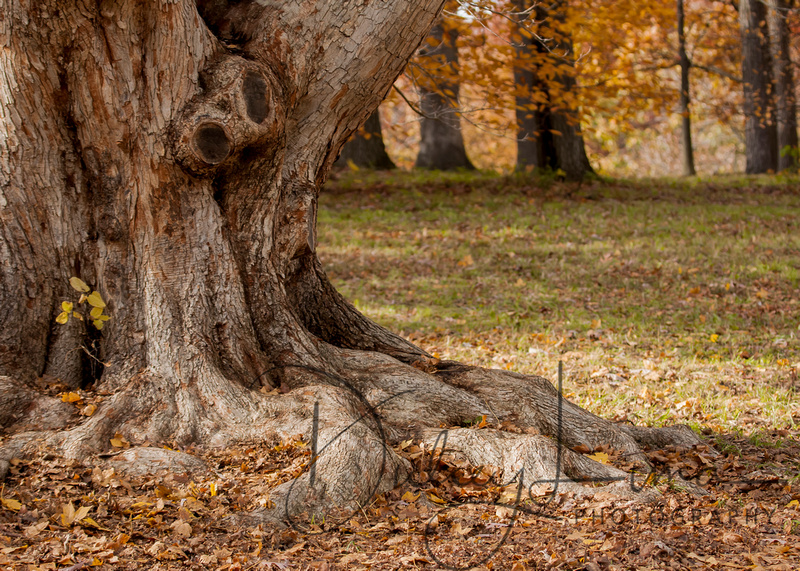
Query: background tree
point(684, 101)
point(549, 125)
point(785, 101)
point(441, 142)
point(366, 148)
point(761, 137)
point(535, 146)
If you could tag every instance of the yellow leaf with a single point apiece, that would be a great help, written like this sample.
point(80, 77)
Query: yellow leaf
point(119, 441)
point(520, 282)
point(762, 294)
point(62, 318)
point(78, 284)
point(77, 315)
point(96, 312)
point(213, 488)
point(10, 504)
point(67, 514)
point(96, 562)
point(66, 306)
point(714, 338)
point(466, 261)
point(90, 522)
point(98, 323)
point(409, 497)
point(95, 299)
point(89, 409)
point(70, 397)
point(793, 504)
point(82, 513)
point(351, 165)
point(436, 499)
point(601, 457)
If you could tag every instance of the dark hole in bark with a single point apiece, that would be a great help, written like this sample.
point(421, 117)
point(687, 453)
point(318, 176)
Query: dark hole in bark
point(212, 143)
point(254, 90)
point(91, 363)
point(311, 221)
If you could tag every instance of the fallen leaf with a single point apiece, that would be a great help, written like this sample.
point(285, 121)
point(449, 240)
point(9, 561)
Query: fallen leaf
point(601, 457)
point(70, 397)
point(10, 504)
point(182, 528)
point(466, 261)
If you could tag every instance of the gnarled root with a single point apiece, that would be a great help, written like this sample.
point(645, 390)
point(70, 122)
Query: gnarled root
point(355, 414)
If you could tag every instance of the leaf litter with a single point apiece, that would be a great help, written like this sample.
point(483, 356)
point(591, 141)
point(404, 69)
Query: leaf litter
point(60, 514)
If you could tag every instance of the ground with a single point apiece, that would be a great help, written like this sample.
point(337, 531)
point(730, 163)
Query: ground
point(667, 301)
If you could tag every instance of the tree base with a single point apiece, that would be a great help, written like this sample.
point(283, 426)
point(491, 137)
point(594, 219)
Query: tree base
point(358, 417)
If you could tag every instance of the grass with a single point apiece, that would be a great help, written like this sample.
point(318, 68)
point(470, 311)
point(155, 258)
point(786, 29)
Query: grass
point(668, 300)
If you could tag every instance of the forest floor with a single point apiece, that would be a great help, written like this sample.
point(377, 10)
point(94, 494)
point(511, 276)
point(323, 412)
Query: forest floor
point(668, 301)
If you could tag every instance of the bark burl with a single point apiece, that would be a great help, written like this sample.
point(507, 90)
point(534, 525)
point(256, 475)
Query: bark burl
point(170, 153)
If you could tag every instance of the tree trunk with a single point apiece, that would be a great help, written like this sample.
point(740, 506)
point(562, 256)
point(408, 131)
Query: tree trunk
point(535, 146)
point(557, 141)
point(761, 144)
point(785, 103)
point(366, 149)
point(684, 102)
point(170, 155)
point(442, 142)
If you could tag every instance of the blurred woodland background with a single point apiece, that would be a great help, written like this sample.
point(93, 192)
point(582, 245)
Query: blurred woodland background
point(617, 87)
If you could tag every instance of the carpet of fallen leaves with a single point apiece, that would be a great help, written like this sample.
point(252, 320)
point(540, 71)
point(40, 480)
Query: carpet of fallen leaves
point(59, 514)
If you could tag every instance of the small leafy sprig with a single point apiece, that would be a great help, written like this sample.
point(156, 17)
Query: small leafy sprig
point(94, 299)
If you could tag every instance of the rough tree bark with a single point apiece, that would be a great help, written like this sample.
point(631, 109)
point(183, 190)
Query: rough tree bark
point(549, 131)
point(170, 154)
point(685, 101)
point(785, 101)
point(441, 144)
point(366, 149)
point(761, 143)
point(535, 146)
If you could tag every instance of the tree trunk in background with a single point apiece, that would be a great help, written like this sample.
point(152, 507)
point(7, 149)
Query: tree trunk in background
point(567, 136)
point(535, 146)
point(557, 141)
point(170, 154)
point(684, 103)
point(785, 102)
point(442, 142)
point(761, 144)
point(366, 149)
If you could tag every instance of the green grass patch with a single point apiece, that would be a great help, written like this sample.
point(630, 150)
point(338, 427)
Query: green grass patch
point(669, 300)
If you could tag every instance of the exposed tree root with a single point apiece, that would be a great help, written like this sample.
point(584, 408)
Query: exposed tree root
point(355, 414)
